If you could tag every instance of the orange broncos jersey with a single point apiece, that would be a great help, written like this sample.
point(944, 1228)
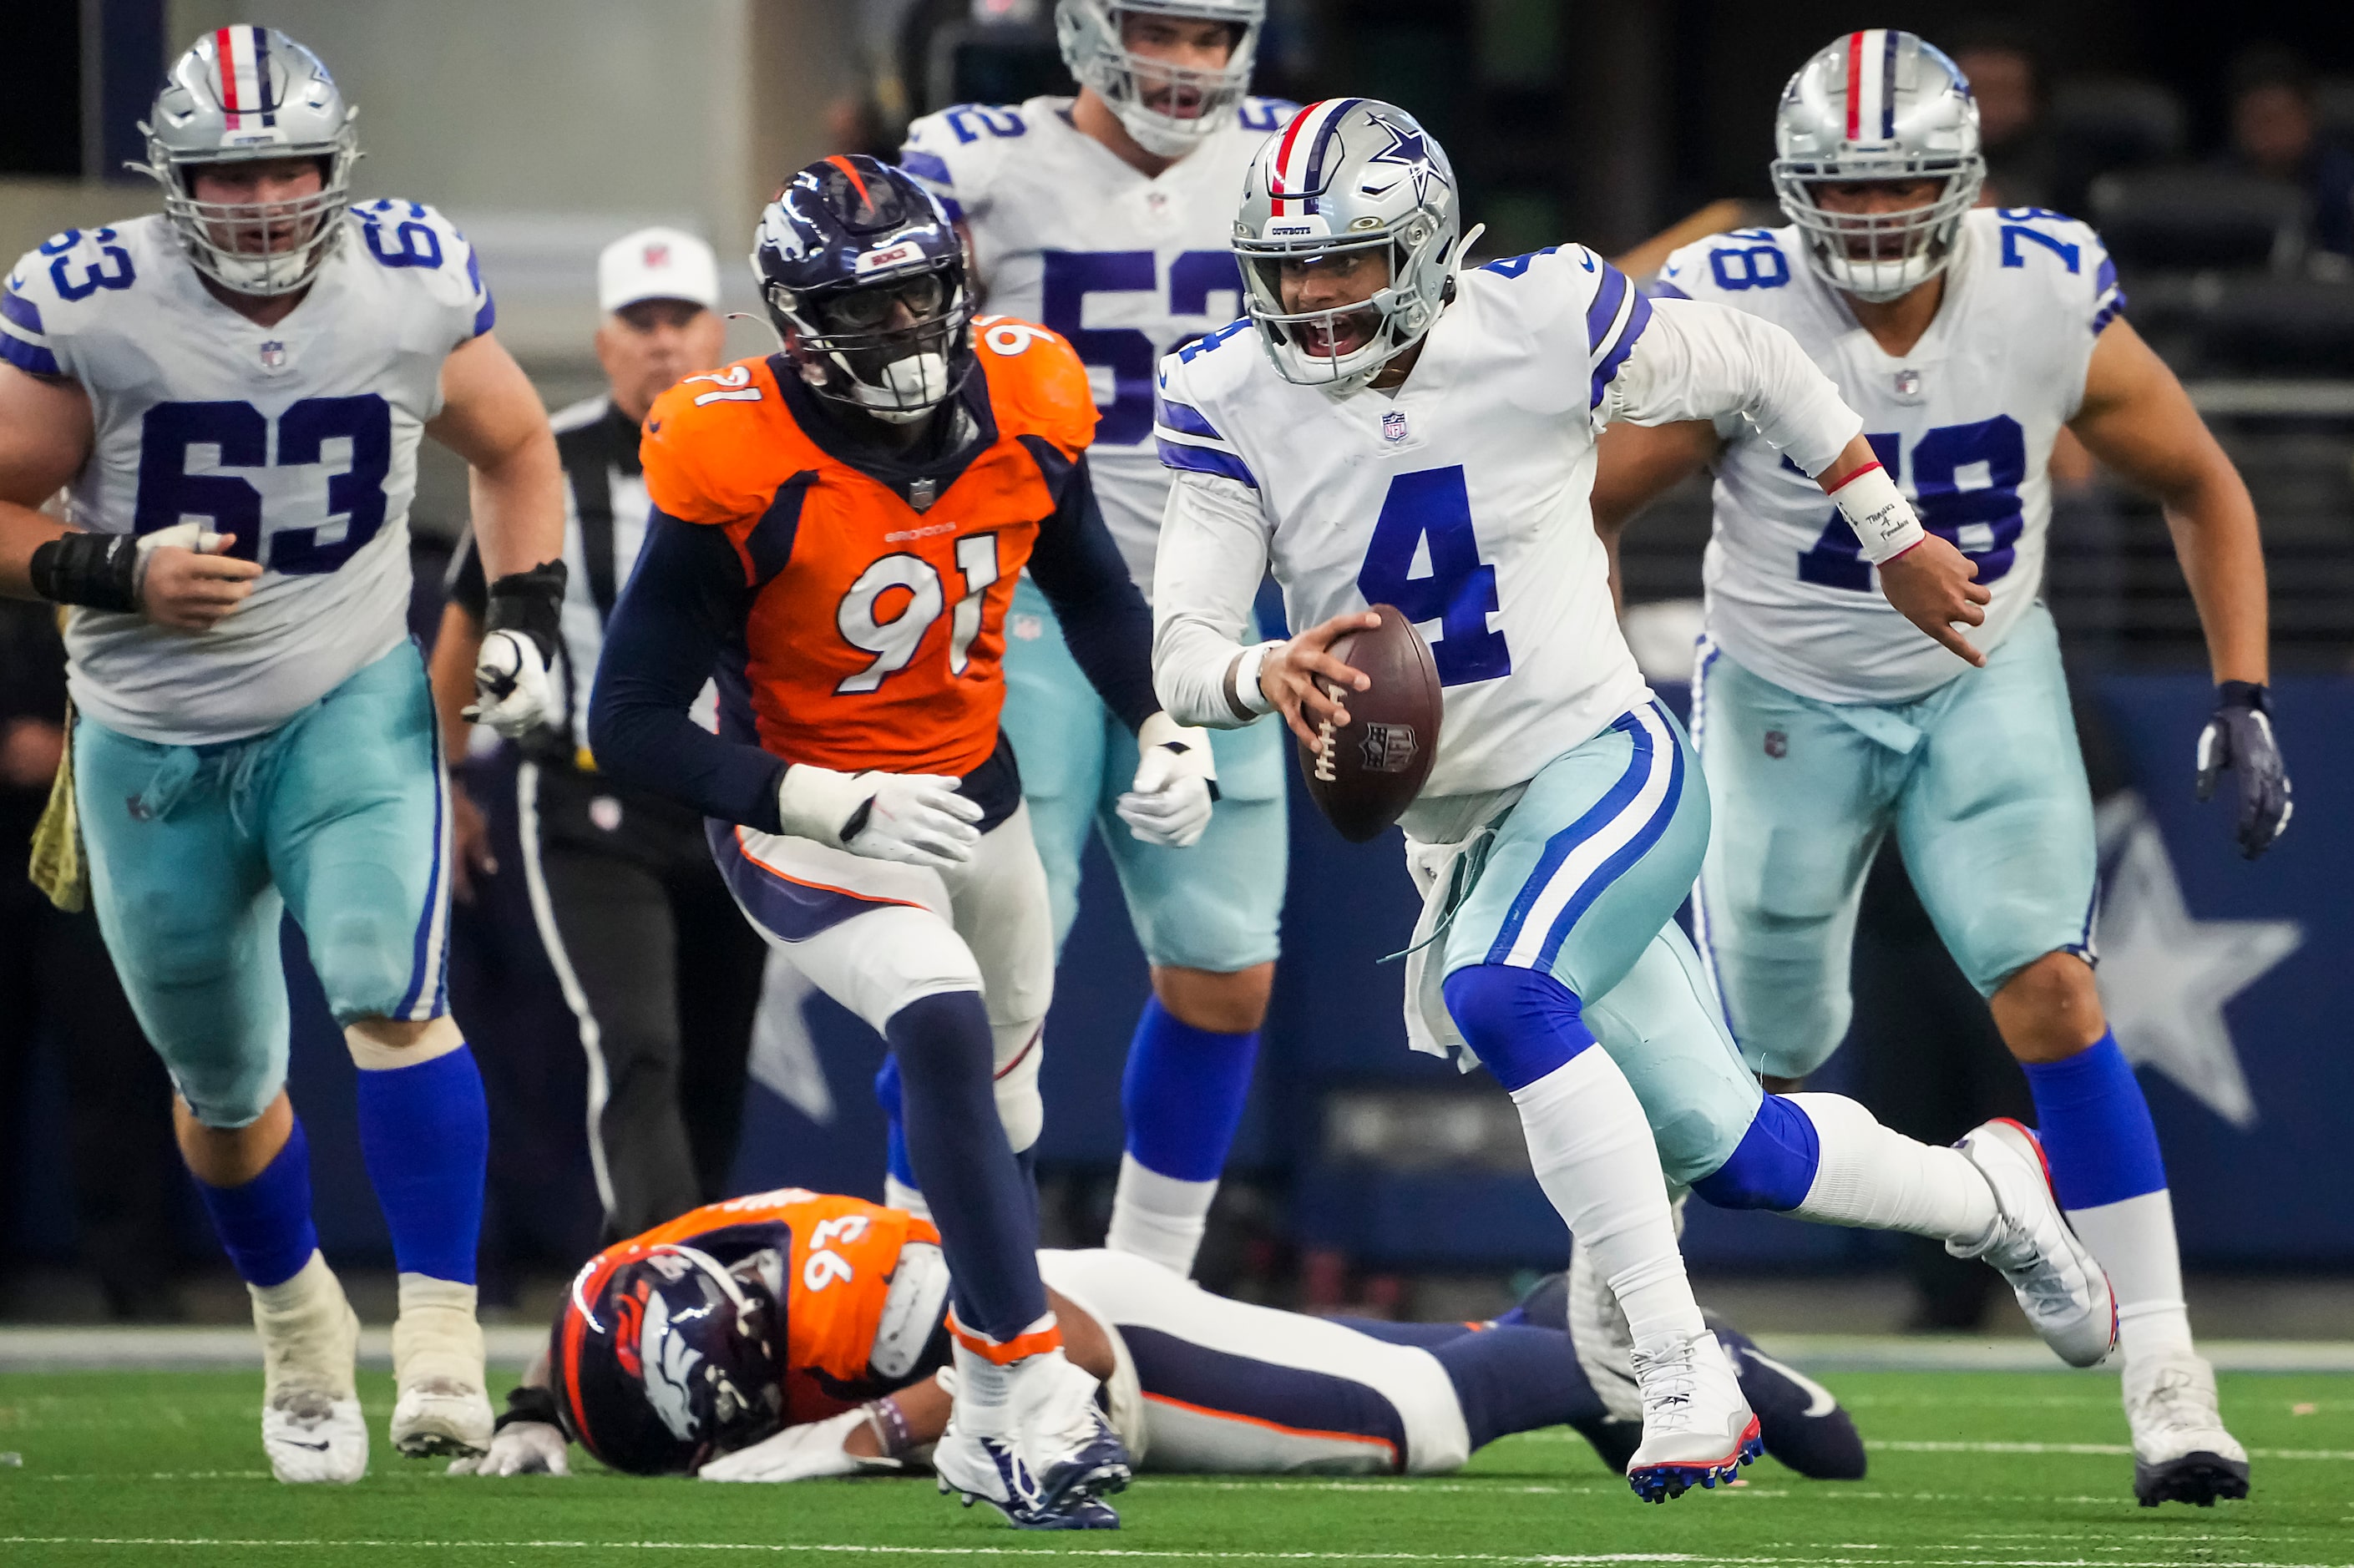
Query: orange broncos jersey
point(875, 641)
point(843, 1254)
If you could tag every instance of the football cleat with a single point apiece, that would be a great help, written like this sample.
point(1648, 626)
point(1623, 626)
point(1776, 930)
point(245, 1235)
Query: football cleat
point(1698, 1428)
point(2060, 1285)
point(443, 1406)
point(2181, 1453)
point(1073, 1453)
point(311, 1423)
point(1801, 1422)
point(990, 1470)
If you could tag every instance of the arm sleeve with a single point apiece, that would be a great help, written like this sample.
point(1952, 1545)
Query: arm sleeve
point(1212, 559)
point(685, 605)
point(1105, 622)
point(1699, 360)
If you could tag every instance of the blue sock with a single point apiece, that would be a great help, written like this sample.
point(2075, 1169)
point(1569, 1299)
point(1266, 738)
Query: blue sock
point(985, 1208)
point(2095, 1127)
point(265, 1225)
point(894, 1144)
point(1523, 1024)
point(425, 1132)
point(1184, 1092)
point(1517, 1379)
point(1773, 1166)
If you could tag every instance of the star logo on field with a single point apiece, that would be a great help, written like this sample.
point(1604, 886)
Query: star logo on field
point(1410, 150)
point(2166, 976)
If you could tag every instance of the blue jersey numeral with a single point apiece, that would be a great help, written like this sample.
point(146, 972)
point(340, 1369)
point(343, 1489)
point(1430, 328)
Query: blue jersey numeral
point(111, 269)
point(1126, 352)
point(1459, 591)
point(1750, 267)
point(239, 436)
point(1966, 481)
point(1001, 123)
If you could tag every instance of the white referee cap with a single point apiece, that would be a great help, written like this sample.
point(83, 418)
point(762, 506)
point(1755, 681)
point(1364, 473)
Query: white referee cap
point(657, 264)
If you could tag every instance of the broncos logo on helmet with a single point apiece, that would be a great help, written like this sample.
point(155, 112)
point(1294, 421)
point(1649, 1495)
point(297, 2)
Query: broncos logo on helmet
point(663, 1358)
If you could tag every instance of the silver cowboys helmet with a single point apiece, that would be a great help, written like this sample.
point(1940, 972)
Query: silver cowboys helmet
point(1348, 174)
point(1878, 105)
point(242, 95)
point(1168, 109)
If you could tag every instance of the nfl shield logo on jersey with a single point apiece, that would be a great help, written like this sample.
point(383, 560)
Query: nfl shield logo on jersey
point(1908, 383)
point(274, 355)
point(1394, 427)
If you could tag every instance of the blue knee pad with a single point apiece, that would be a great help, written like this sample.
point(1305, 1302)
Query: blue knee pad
point(1773, 1166)
point(1523, 1024)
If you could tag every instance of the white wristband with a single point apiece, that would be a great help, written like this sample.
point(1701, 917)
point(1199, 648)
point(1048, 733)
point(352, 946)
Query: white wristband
point(818, 802)
point(1883, 519)
point(1242, 675)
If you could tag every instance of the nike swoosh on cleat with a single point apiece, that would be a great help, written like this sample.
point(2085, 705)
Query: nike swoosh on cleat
point(314, 1447)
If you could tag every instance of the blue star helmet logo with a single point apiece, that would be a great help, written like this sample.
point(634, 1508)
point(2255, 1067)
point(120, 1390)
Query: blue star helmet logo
point(1410, 151)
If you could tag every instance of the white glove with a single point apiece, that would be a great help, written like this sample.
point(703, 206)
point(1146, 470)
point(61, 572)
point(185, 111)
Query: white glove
point(810, 1453)
point(521, 1448)
point(513, 693)
point(915, 818)
point(1176, 780)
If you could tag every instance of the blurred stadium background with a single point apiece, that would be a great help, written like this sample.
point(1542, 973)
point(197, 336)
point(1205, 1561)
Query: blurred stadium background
point(1366, 1176)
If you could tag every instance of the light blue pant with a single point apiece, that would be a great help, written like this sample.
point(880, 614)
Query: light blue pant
point(1215, 905)
point(1582, 881)
point(340, 814)
point(1984, 785)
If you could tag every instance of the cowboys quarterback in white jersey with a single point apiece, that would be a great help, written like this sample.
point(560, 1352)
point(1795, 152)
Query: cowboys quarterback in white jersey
point(1106, 217)
point(1387, 427)
point(231, 394)
point(1970, 338)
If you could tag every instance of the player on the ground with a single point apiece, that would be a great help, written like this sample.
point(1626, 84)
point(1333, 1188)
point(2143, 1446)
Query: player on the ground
point(835, 534)
point(792, 1336)
point(233, 392)
point(1970, 338)
point(1396, 429)
point(1106, 217)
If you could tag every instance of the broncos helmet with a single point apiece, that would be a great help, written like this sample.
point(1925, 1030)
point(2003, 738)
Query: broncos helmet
point(243, 95)
point(863, 278)
point(664, 1358)
point(1146, 94)
point(1878, 105)
point(1348, 174)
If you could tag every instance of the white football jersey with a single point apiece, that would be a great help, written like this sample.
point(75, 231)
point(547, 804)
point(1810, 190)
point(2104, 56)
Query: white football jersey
point(1964, 424)
point(1463, 500)
point(300, 439)
point(1126, 268)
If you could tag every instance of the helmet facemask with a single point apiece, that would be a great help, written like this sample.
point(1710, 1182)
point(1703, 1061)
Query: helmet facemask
point(1383, 326)
point(894, 347)
point(264, 247)
point(1168, 109)
point(1878, 256)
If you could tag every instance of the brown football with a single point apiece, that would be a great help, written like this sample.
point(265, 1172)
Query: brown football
point(1363, 776)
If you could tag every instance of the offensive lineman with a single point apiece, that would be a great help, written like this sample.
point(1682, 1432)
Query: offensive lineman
point(822, 1315)
point(1969, 337)
point(234, 393)
point(835, 533)
point(1410, 434)
point(1106, 217)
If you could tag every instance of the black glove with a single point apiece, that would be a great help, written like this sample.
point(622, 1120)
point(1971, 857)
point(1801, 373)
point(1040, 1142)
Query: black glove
point(2240, 737)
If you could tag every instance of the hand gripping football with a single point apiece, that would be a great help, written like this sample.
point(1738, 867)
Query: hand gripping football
point(1363, 776)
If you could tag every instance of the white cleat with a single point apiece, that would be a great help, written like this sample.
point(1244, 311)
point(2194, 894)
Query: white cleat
point(444, 1403)
point(2060, 1285)
point(1698, 1428)
point(311, 1423)
point(2181, 1453)
point(1073, 1453)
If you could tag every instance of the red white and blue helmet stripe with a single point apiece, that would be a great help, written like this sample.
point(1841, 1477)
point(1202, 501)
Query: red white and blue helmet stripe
point(1297, 177)
point(1872, 84)
point(241, 59)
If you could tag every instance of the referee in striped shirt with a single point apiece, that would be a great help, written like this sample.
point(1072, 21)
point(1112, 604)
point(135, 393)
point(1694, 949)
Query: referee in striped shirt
point(662, 973)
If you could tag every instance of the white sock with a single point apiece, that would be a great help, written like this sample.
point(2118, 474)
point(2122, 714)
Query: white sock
point(984, 1388)
point(1158, 1216)
point(2134, 1240)
point(1881, 1179)
point(897, 1194)
point(1594, 1157)
point(436, 1335)
point(311, 1286)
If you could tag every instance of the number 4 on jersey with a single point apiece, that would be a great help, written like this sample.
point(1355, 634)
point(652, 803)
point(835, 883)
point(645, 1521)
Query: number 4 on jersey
point(1426, 521)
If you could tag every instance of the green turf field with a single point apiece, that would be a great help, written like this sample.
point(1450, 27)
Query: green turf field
point(164, 1468)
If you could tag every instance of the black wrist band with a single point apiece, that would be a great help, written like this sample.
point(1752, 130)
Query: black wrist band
point(529, 1404)
point(530, 602)
point(2244, 694)
point(100, 570)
